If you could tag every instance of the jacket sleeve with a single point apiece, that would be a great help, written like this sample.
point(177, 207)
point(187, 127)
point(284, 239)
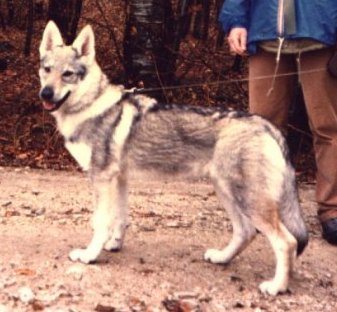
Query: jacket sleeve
point(234, 13)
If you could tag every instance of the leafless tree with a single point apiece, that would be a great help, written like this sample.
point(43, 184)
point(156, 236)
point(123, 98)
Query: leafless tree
point(66, 14)
point(30, 24)
point(148, 42)
point(10, 12)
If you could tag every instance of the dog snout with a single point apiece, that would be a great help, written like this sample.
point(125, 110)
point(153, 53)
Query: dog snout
point(47, 93)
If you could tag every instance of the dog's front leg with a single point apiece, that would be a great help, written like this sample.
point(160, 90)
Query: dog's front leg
point(120, 214)
point(102, 220)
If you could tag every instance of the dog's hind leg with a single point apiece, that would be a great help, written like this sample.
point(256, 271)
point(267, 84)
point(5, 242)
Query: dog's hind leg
point(243, 231)
point(283, 243)
point(104, 218)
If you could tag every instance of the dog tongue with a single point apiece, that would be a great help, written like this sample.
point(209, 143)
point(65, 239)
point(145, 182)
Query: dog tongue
point(48, 105)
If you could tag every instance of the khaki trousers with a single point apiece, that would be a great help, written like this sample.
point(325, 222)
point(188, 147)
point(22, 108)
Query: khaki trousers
point(320, 95)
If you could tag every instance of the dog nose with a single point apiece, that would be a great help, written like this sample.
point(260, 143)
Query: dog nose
point(47, 93)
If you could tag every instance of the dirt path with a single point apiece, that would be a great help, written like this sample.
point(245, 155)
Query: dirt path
point(44, 214)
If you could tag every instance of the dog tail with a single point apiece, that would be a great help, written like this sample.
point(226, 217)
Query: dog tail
point(291, 214)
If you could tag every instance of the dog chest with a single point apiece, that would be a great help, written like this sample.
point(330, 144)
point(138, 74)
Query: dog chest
point(81, 152)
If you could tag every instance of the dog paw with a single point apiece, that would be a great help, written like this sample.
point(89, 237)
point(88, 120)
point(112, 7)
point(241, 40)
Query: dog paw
point(216, 256)
point(271, 288)
point(113, 245)
point(82, 255)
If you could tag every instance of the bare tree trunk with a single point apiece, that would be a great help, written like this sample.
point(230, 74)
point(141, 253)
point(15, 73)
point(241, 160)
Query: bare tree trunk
point(66, 14)
point(202, 15)
point(30, 24)
point(10, 10)
point(148, 43)
point(184, 19)
point(77, 8)
point(2, 21)
point(194, 17)
point(221, 35)
point(38, 9)
point(58, 12)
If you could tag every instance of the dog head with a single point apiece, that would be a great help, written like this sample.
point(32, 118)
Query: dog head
point(63, 69)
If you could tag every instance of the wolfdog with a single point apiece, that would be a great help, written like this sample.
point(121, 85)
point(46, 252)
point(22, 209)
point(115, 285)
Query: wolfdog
point(110, 131)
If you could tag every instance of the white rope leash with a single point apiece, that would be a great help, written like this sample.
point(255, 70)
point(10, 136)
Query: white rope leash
point(224, 82)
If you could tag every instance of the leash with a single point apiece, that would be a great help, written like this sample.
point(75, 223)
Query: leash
point(221, 82)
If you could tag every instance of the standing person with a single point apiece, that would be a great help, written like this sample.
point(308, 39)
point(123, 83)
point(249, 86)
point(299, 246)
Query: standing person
point(283, 37)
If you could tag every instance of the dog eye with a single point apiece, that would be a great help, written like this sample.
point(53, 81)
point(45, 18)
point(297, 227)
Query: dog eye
point(47, 69)
point(67, 73)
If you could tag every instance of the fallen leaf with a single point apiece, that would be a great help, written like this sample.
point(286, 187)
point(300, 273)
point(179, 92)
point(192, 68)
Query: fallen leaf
point(103, 308)
point(25, 272)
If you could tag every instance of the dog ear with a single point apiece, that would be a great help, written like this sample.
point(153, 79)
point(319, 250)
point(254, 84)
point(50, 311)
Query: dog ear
point(51, 38)
point(84, 44)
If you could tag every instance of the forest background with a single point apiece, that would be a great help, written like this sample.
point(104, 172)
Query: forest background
point(175, 50)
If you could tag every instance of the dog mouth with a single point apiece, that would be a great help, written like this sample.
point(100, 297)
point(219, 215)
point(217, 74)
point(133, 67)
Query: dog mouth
point(53, 106)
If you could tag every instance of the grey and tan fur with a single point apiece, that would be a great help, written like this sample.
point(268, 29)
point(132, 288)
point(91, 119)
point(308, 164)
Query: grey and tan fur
point(110, 132)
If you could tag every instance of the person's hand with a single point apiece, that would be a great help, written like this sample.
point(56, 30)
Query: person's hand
point(237, 40)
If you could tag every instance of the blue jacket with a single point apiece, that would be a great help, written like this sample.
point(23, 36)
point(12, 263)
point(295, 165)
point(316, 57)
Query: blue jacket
point(315, 19)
